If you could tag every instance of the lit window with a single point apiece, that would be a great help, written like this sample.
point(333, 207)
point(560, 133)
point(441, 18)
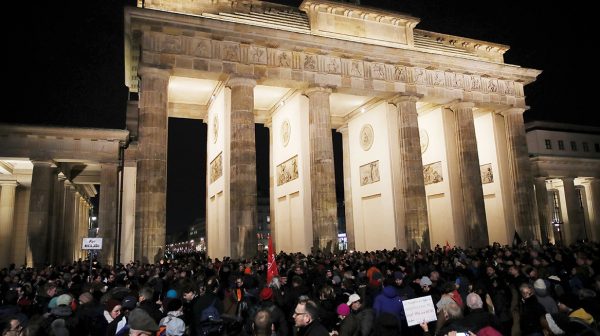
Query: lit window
point(574, 146)
point(586, 148)
point(561, 145)
point(548, 144)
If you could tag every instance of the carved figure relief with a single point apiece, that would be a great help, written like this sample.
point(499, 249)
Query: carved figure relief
point(487, 175)
point(378, 71)
point(202, 48)
point(369, 173)
point(438, 78)
point(475, 83)
point(366, 137)
point(356, 69)
point(333, 65)
point(459, 80)
point(258, 55)
point(400, 73)
point(215, 128)
point(287, 171)
point(492, 85)
point(509, 89)
point(432, 173)
point(216, 168)
point(285, 132)
point(420, 76)
point(231, 52)
point(310, 62)
point(171, 44)
point(284, 60)
point(423, 139)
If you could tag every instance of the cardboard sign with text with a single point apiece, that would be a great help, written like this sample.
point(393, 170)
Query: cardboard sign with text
point(419, 310)
point(92, 244)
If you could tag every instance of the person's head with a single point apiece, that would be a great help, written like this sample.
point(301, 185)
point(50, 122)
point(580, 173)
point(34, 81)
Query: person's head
point(425, 284)
point(526, 291)
point(343, 310)
point(354, 302)
point(86, 297)
point(147, 293)
point(188, 294)
point(141, 324)
point(113, 307)
point(261, 325)
point(452, 311)
point(304, 314)
point(474, 301)
point(174, 305)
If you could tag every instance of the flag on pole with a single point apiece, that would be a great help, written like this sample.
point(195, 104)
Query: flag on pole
point(447, 247)
point(271, 264)
point(516, 240)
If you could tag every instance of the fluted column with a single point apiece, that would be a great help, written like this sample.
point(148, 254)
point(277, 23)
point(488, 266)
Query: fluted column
point(75, 225)
point(476, 233)
point(67, 253)
point(520, 173)
point(7, 212)
point(107, 211)
point(40, 202)
point(272, 226)
point(57, 238)
point(595, 221)
point(243, 217)
point(414, 201)
point(151, 186)
point(544, 210)
point(575, 229)
point(322, 175)
point(82, 224)
point(349, 210)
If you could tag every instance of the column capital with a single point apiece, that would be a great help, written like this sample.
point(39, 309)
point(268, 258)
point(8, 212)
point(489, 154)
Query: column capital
point(145, 70)
point(568, 179)
point(235, 81)
point(513, 111)
point(42, 163)
point(343, 129)
point(461, 105)
point(8, 183)
point(317, 89)
point(405, 97)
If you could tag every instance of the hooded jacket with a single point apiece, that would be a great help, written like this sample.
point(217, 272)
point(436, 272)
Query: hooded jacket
point(389, 302)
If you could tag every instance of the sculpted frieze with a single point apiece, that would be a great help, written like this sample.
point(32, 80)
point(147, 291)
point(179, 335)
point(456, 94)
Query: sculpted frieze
point(420, 76)
point(333, 65)
point(201, 48)
point(438, 78)
point(377, 70)
point(171, 45)
point(230, 52)
point(475, 83)
point(257, 55)
point(401, 73)
point(355, 68)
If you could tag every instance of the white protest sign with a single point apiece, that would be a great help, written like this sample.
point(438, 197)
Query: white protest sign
point(419, 310)
point(92, 244)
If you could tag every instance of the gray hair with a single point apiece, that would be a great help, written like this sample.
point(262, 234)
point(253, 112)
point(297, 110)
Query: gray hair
point(474, 301)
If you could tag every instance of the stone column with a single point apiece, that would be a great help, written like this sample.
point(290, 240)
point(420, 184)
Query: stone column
point(575, 230)
point(75, 225)
point(67, 253)
point(151, 186)
point(595, 222)
point(414, 202)
point(82, 224)
point(40, 202)
point(57, 238)
point(544, 210)
point(107, 211)
point(7, 212)
point(476, 233)
point(349, 210)
point(322, 175)
point(520, 173)
point(272, 226)
point(242, 171)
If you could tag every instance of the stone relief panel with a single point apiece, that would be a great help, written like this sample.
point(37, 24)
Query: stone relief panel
point(432, 173)
point(355, 68)
point(215, 128)
point(310, 63)
point(282, 59)
point(369, 173)
point(459, 81)
point(285, 132)
point(230, 52)
point(287, 171)
point(400, 73)
point(333, 65)
point(377, 70)
point(423, 139)
point(475, 83)
point(171, 45)
point(420, 76)
point(492, 85)
point(216, 168)
point(257, 55)
point(366, 137)
point(487, 175)
point(438, 78)
point(201, 48)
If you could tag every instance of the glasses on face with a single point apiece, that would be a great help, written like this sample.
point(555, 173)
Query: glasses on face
point(297, 313)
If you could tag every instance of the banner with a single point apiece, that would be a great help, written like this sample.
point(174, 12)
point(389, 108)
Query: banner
point(419, 310)
point(271, 263)
point(92, 244)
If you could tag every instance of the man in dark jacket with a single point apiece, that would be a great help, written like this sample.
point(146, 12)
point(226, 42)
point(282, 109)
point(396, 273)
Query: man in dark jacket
point(530, 311)
point(478, 317)
point(306, 321)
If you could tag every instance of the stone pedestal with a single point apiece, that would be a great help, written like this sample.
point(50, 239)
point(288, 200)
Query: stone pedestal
point(575, 228)
point(151, 187)
point(544, 210)
point(323, 198)
point(476, 233)
point(107, 211)
point(7, 210)
point(40, 201)
point(414, 203)
point(348, 189)
point(520, 173)
point(243, 218)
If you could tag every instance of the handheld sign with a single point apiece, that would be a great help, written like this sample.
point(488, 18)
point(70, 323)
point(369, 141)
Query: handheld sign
point(92, 244)
point(419, 310)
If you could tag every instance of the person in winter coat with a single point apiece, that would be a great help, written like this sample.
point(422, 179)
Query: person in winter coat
point(348, 325)
point(363, 315)
point(543, 297)
point(389, 302)
point(174, 325)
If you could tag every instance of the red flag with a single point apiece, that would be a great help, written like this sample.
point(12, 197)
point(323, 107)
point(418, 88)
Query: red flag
point(271, 264)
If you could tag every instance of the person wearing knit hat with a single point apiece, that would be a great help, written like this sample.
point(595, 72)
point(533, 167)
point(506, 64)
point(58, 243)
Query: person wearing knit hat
point(129, 303)
point(349, 324)
point(171, 294)
point(140, 323)
point(543, 296)
point(425, 281)
point(343, 309)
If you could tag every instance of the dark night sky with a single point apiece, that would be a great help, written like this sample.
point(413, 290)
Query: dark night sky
point(65, 67)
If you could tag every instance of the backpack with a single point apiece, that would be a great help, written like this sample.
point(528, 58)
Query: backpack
point(210, 313)
point(211, 320)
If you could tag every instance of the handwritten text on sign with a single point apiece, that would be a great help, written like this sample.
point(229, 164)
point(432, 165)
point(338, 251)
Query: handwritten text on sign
point(92, 244)
point(419, 310)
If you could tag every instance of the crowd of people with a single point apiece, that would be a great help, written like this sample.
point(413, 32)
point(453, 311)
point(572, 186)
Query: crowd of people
point(528, 289)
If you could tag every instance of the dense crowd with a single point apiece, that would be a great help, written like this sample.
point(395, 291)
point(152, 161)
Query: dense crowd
point(498, 290)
